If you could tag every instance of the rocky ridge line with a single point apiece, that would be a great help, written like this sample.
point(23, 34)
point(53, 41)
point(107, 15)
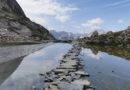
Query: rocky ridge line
point(70, 75)
point(120, 38)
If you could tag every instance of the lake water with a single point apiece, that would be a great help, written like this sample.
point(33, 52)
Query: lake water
point(26, 76)
point(108, 69)
point(107, 72)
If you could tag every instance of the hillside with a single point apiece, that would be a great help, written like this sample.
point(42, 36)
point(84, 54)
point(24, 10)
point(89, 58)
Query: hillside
point(121, 38)
point(16, 27)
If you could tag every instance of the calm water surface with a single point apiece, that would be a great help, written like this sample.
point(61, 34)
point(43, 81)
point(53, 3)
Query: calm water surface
point(107, 72)
point(9, 53)
point(26, 76)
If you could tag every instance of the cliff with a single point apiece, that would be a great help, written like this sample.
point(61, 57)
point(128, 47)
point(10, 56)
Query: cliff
point(16, 27)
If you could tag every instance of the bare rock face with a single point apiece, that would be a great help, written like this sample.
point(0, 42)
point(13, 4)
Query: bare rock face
point(11, 6)
point(110, 37)
point(128, 28)
point(94, 37)
point(126, 36)
point(16, 27)
point(94, 34)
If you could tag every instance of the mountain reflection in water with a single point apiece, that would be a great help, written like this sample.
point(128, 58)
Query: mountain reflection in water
point(112, 50)
point(7, 68)
point(108, 68)
point(26, 76)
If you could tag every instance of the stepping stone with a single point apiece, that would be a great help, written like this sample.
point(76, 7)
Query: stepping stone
point(67, 67)
point(83, 82)
point(41, 74)
point(82, 73)
point(89, 89)
point(69, 63)
point(74, 58)
point(53, 87)
point(48, 80)
point(66, 70)
point(59, 70)
point(65, 79)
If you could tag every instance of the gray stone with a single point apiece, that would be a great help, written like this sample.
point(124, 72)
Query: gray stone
point(81, 82)
point(83, 73)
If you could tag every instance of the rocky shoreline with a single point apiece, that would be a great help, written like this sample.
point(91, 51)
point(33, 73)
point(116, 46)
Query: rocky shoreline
point(117, 39)
point(70, 74)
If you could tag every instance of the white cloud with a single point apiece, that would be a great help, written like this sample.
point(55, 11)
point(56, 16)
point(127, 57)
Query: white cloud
point(117, 3)
point(93, 23)
point(90, 53)
point(40, 20)
point(62, 18)
point(39, 8)
point(120, 21)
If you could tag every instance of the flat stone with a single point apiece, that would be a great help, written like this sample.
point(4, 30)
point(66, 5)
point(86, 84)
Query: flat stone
point(48, 80)
point(53, 87)
point(81, 82)
point(69, 64)
point(82, 73)
point(67, 67)
point(89, 89)
point(67, 60)
point(65, 79)
point(59, 70)
point(68, 86)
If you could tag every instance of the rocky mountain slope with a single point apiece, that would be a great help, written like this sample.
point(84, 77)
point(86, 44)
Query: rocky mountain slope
point(121, 38)
point(16, 27)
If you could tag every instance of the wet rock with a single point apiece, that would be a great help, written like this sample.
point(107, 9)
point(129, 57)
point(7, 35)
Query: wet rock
point(83, 82)
point(52, 87)
point(41, 74)
point(48, 80)
point(82, 73)
point(113, 71)
point(60, 70)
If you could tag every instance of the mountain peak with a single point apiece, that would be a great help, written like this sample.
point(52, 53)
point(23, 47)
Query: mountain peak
point(11, 6)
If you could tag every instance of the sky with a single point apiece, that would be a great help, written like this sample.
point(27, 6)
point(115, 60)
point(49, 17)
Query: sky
point(79, 16)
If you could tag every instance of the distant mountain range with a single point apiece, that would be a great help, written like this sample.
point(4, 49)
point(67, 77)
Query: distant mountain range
point(62, 35)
